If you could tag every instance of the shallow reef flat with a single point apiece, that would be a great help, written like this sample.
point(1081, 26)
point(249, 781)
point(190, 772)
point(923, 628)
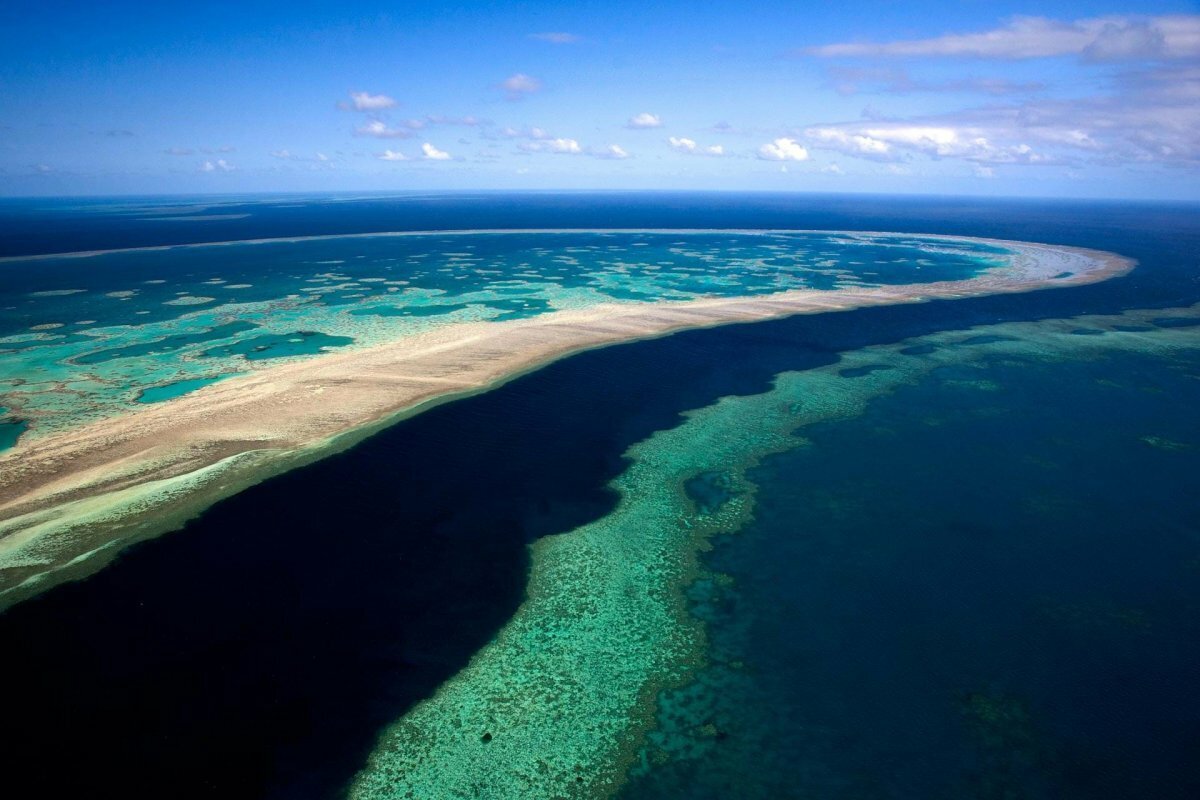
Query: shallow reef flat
point(123, 469)
point(562, 702)
point(88, 335)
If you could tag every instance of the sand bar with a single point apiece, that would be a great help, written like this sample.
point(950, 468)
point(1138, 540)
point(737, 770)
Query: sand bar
point(69, 501)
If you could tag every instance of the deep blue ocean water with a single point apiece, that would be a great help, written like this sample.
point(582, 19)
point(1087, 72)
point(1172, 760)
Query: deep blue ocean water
point(905, 627)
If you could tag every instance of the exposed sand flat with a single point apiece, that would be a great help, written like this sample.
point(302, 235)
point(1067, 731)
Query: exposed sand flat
point(69, 500)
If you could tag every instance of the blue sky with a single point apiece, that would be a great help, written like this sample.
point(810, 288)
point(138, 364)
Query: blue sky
point(1079, 99)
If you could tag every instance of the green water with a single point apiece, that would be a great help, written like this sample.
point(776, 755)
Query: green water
point(82, 337)
point(570, 695)
point(167, 391)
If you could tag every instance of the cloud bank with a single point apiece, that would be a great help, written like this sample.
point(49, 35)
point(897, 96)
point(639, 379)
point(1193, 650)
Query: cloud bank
point(1111, 38)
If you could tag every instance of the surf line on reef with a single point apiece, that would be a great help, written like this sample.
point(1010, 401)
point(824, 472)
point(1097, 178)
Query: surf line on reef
point(71, 500)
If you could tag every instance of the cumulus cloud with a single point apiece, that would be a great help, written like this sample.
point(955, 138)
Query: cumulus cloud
point(612, 151)
point(644, 120)
point(555, 37)
point(364, 101)
point(534, 133)
point(380, 130)
point(1152, 116)
point(539, 141)
point(281, 154)
point(851, 142)
point(689, 146)
point(519, 85)
point(896, 141)
point(433, 154)
point(833, 169)
point(391, 155)
point(1108, 38)
point(783, 149)
point(543, 144)
point(220, 165)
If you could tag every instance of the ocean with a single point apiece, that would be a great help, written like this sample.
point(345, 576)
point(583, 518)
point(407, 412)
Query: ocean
point(938, 550)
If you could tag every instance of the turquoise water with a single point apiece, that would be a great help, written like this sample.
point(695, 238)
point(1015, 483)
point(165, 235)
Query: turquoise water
point(167, 391)
point(981, 582)
point(84, 337)
point(11, 429)
point(938, 550)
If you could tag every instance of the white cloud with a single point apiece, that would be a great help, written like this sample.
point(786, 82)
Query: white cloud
point(391, 155)
point(363, 101)
point(543, 144)
point(644, 120)
point(685, 145)
point(612, 151)
point(984, 172)
point(1099, 38)
point(281, 154)
point(783, 149)
point(898, 141)
point(220, 165)
point(179, 151)
point(519, 85)
point(856, 144)
point(532, 133)
point(380, 130)
point(433, 154)
point(833, 169)
point(563, 146)
point(555, 37)
point(1152, 116)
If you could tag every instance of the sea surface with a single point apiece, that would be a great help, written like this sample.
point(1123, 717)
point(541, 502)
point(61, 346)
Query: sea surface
point(939, 550)
point(90, 334)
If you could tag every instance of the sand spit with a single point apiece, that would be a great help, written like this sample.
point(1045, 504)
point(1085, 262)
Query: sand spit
point(70, 501)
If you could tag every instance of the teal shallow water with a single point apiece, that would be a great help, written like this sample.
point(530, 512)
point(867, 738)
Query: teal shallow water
point(84, 337)
point(985, 584)
point(168, 391)
point(254, 654)
point(558, 704)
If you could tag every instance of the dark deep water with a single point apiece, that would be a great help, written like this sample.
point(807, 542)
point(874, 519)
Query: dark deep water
point(259, 651)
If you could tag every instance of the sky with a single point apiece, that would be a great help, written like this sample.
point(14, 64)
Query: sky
point(1048, 98)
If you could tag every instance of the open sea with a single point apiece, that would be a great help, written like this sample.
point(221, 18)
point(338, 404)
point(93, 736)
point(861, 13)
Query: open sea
point(944, 550)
